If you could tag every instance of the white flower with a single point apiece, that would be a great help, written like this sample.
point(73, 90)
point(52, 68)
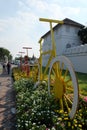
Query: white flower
point(53, 128)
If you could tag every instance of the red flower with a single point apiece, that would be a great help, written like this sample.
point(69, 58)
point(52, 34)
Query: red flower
point(85, 99)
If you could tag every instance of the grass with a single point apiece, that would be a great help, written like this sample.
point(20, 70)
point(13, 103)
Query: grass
point(82, 81)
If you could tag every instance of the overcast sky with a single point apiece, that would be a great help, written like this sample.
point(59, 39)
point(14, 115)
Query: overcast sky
point(20, 26)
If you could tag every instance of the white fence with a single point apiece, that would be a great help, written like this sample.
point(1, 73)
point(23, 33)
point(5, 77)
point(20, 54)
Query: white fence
point(78, 56)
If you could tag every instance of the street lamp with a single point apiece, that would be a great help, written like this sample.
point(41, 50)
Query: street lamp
point(27, 49)
point(21, 52)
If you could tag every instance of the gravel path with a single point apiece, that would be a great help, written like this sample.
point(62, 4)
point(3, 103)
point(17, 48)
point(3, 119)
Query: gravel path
point(7, 103)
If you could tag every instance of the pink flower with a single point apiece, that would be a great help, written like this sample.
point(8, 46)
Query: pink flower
point(85, 99)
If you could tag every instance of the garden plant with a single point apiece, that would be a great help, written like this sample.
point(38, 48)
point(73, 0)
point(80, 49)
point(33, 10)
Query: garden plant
point(37, 110)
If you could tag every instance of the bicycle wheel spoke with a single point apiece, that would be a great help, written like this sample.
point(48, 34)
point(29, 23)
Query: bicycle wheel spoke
point(65, 74)
point(61, 68)
point(53, 71)
point(61, 104)
point(63, 85)
point(58, 68)
point(70, 101)
point(69, 89)
point(69, 85)
point(66, 104)
point(69, 80)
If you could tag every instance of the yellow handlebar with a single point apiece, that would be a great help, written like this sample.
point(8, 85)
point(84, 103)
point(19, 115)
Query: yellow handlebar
point(51, 20)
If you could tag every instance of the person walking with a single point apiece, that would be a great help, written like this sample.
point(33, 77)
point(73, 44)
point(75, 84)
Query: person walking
point(8, 67)
point(4, 68)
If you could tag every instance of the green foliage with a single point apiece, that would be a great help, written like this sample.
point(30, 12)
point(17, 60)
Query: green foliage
point(4, 52)
point(82, 80)
point(83, 35)
point(36, 110)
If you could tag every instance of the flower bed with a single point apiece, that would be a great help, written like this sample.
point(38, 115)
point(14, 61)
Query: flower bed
point(36, 110)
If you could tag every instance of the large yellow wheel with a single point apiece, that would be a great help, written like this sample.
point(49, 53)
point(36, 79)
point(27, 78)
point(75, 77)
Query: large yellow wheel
point(62, 82)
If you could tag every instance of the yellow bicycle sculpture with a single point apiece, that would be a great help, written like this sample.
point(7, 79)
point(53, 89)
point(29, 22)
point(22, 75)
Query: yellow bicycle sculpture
point(61, 79)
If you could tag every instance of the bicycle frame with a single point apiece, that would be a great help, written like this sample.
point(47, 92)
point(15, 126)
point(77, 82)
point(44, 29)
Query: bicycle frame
point(65, 88)
point(51, 52)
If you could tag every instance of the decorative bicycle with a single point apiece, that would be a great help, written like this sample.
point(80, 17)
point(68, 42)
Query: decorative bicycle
point(60, 75)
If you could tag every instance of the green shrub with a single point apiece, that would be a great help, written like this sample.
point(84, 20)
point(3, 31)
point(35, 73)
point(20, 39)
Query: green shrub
point(36, 110)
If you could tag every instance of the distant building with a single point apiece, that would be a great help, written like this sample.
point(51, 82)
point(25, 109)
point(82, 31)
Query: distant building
point(66, 38)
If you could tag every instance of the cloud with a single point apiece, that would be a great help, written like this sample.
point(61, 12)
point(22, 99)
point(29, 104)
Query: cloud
point(24, 28)
point(70, 10)
point(53, 9)
point(18, 31)
point(3, 25)
point(38, 4)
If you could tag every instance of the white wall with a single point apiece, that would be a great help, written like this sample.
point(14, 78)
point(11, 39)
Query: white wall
point(64, 35)
point(78, 56)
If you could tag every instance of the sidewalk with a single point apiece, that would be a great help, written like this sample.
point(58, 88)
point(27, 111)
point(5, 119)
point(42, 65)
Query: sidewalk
point(7, 103)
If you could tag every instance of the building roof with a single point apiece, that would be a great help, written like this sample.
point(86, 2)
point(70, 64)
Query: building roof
point(66, 21)
point(71, 22)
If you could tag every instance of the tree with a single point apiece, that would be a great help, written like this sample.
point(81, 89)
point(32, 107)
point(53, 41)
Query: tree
point(10, 57)
point(83, 35)
point(5, 52)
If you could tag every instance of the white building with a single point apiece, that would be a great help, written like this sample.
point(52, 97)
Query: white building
point(67, 41)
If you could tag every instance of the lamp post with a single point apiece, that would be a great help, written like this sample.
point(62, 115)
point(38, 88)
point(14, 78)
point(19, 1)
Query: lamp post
point(21, 59)
point(27, 49)
point(27, 67)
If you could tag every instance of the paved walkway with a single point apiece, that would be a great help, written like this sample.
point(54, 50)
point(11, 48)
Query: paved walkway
point(7, 103)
